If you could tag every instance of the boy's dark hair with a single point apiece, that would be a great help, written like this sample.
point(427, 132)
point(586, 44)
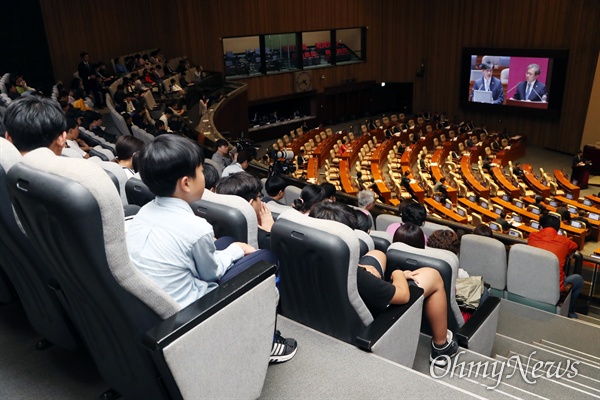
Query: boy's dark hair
point(414, 213)
point(335, 211)
point(34, 122)
point(159, 124)
point(211, 176)
point(274, 185)
point(167, 159)
point(242, 157)
point(329, 189)
point(127, 146)
point(72, 123)
point(362, 221)
point(221, 142)
point(548, 221)
point(241, 184)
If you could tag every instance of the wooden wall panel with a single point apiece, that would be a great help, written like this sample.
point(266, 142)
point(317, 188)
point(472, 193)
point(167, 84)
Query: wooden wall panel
point(401, 35)
point(105, 29)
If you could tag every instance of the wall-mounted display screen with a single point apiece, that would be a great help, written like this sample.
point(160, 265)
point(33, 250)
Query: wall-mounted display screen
point(529, 79)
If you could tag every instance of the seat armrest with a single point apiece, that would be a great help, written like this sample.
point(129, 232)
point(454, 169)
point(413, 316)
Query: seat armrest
point(479, 332)
point(564, 295)
point(380, 325)
point(229, 329)
point(202, 309)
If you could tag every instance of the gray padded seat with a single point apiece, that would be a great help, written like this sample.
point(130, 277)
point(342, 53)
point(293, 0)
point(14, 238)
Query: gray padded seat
point(141, 134)
point(533, 279)
point(384, 220)
point(118, 172)
point(138, 193)
point(278, 209)
point(318, 288)
point(27, 271)
point(381, 239)
point(291, 193)
point(118, 120)
point(479, 332)
point(229, 216)
point(144, 345)
point(485, 256)
point(365, 241)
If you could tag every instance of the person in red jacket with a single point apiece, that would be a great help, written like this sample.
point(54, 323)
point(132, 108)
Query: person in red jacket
point(549, 239)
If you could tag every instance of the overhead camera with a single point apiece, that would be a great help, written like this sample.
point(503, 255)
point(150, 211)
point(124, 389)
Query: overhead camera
point(282, 164)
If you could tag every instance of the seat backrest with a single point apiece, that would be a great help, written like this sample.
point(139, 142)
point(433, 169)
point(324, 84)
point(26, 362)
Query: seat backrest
point(137, 192)
point(141, 134)
point(291, 193)
point(384, 220)
point(381, 239)
point(26, 270)
point(318, 265)
point(118, 172)
point(365, 241)
point(277, 209)
point(403, 256)
point(504, 74)
point(229, 216)
point(111, 302)
point(484, 256)
point(119, 122)
point(430, 227)
point(533, 274)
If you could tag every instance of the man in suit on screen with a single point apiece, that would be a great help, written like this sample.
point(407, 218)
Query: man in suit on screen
point(531, 89)
point(490, 84)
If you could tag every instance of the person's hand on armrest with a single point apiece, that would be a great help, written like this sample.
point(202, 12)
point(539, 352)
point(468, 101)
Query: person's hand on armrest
point(245, 247)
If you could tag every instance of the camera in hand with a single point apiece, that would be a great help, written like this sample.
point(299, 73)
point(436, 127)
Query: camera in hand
point(283, 162)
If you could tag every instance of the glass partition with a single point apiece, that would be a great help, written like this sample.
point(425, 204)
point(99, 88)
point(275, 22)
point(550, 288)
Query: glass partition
point(275, 53)
point(281, 53)
point(349, 45)
point(242, 56)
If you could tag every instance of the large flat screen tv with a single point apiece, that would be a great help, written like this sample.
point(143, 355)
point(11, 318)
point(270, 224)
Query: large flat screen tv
point(513, 80)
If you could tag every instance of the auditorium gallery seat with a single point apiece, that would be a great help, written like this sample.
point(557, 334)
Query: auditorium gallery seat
point(137, 192)
point(533, 279)
point(28, 271)
point(318, 266)
point(229, 216)
point(143, 344)
point(479, 332)
point(485, 256)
